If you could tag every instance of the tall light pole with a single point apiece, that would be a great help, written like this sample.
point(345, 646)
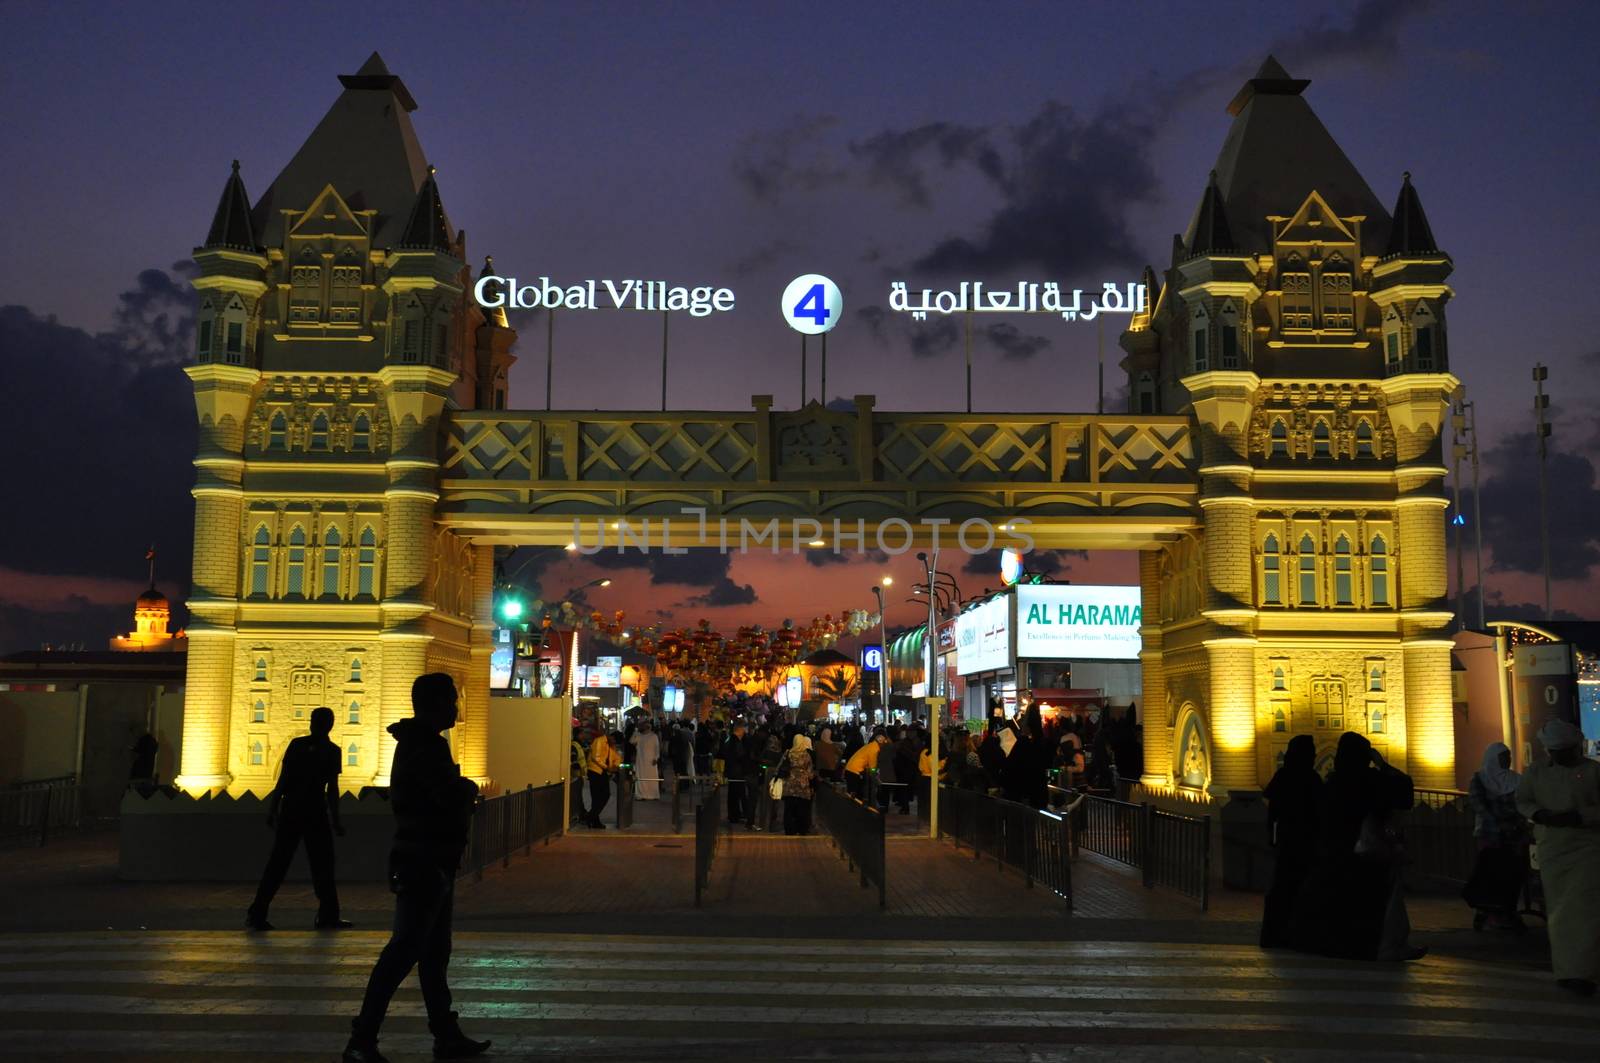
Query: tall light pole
point(1541, 408)
point(1477, 503)
point(930, 567)
point(883, 642)
point(1458, 450)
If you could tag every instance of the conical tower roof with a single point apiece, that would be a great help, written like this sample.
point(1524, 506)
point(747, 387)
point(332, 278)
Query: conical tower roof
point(1410, 234)
point(1276, 154)
point(427, 228)
point(230, 226)
point(366, 147)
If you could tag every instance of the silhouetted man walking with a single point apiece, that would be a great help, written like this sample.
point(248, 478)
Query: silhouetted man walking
point(433, 805)
point(304, 806)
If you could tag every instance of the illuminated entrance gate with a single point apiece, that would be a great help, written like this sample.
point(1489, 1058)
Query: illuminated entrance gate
point(1282, 484)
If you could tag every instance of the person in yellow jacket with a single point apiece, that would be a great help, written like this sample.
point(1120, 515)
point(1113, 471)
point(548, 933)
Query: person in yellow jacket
point(863, 762)
point(604, 760)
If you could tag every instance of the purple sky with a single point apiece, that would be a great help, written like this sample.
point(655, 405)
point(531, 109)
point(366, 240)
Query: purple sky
point(743, 145)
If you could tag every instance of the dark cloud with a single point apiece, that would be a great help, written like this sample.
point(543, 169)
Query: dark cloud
point(1065, 186)
point(154, 321)
point(1044, 562)
point(1511, 509)
point(793, 158)
point(897, 158)
point(1012, 342)
point(822, 558)
point(725, 592)
point(1372, 32)
point(104, 443)
point(75, 623)
point(767, 254)
point(1495, 607)
point(698, 568)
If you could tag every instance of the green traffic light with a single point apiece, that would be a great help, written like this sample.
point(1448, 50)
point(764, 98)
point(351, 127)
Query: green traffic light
point(511, 609)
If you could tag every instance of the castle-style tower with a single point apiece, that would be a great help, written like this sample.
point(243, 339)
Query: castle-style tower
point(1303, 326)
point(335, 328)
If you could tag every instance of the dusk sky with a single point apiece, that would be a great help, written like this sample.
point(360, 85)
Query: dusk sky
point(740, 146)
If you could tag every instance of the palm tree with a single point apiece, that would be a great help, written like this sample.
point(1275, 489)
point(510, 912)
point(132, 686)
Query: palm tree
point(839, 685)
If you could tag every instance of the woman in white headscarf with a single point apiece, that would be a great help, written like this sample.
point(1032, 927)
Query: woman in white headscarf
point(799, 774)
point(1502, 834)
point(1562, 798)
point(647, 763)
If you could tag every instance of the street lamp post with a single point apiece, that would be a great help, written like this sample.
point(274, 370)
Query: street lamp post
point(883, 642)
point(1541, 408)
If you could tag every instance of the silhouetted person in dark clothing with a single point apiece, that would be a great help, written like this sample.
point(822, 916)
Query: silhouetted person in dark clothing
point(1293, 798)
point(433, 806)
point(304, 806)
point(144, 752)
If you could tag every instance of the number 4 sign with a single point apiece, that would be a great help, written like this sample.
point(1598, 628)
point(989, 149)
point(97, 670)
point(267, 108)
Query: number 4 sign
point(812, 304)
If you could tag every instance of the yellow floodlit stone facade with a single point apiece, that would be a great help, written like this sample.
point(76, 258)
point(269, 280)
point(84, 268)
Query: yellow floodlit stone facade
point(1303, 327)
point(335, 329)
point(1279, 468)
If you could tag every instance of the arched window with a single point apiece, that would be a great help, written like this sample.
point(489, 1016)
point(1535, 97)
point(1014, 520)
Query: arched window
point(1228, 336)
point(319, 431)
point(261, 562)
point(345, 308)
point(261, 670)
point(1279, 682)
point(233, 322)
point(258, 714)
point(1423, 328)
point(258, 755)
point(1280, 721)
point(1147, 393)
point(278, 432)
point(1375, 678)
point(204, 330)
point(361, 433)
point(1337, 295)
point(355, 712)
point(355, 669)
point(1271, 585)
point(295, 571)
point(1200, 326)
point(1364, 439)
point(1342, 589)
point(1378, 565)
point(352, 755)
point(1280, 436)
point(1296, 284)
point(1308, 570)
point(1320, 440)
point(1375, 724)
point(367, 563)
point(441, 343)
point(305, 291)
point(1391, 342)
point(330, 562)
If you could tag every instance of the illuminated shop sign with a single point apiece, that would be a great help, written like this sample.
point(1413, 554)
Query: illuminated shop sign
point(1027, 298)
point(983, 637)
point(493, 292)
point(1057, 621)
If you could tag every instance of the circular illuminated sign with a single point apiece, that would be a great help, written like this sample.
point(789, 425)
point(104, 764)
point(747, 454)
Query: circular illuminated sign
point(1010, 566)
point(872, 658)
point(812, 304)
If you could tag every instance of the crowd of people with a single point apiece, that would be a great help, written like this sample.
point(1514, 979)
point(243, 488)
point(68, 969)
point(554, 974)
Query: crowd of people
point(1016, 758)
point(1339, 847)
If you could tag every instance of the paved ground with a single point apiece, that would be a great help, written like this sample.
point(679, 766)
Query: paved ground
point(218, 995)
point(591, 948)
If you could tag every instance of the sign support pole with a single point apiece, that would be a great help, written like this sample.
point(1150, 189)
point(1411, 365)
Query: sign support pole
point(549, 353)
point(665, 317)
point(802, 369)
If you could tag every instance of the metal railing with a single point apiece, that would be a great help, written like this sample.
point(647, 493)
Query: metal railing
point(511, 821)
point(707, 820)
point(1036, 843)
point(857, 832)
point(1171, 849)
point(1439, 842)
point(30, 811)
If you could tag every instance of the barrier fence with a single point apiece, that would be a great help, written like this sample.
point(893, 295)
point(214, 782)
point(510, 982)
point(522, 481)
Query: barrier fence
point(1439, 842)
point(508, 822)
point(622, 795)
point(707, 820)
point(31, 811)
point(857, 832)
point(1171, 849)
point(1036, 843)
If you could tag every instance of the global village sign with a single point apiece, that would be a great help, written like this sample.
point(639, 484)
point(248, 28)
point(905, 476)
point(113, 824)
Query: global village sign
point(495, 292)
point(1028, 298)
